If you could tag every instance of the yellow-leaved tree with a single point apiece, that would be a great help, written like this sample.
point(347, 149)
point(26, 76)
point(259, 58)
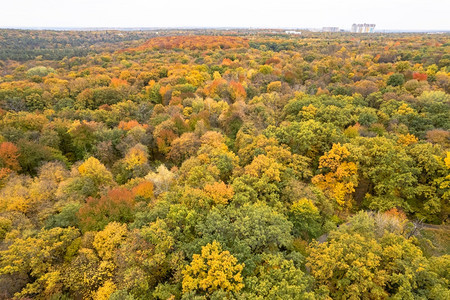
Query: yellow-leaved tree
point(339, 177)
point(213, 270)
point(136, 157)
point(107, 240)
point(105, 291)
point(92, 168)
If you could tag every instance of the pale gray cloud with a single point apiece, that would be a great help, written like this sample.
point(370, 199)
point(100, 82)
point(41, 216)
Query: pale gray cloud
point(387, 14)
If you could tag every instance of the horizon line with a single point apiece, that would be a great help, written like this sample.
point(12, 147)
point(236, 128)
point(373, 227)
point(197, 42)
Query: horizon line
point(153, 28)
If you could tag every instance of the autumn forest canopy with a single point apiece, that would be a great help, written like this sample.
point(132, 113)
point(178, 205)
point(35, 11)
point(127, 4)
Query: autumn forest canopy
point(237, 164)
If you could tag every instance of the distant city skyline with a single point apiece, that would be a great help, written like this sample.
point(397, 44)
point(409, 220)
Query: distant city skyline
point(401, 15)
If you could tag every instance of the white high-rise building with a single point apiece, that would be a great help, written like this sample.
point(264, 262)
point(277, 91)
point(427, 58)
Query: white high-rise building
point(363, 28)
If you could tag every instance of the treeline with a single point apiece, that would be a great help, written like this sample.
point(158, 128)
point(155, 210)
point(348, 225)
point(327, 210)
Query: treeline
point(24, 45)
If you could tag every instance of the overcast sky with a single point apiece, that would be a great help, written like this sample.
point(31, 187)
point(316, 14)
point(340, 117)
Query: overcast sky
point(386, 14)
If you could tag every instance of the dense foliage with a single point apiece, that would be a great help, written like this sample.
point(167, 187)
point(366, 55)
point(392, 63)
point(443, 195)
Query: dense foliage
point(224, 165)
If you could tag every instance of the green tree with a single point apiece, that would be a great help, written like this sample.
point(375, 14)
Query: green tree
point(277, 278)
point(367, 259)
point(396, 79)
point(306, 219)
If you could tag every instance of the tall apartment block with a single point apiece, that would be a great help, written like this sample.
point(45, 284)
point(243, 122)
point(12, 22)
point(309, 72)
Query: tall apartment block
point(363, 28)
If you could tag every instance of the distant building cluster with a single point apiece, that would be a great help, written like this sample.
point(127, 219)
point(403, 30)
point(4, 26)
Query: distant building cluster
point(330, 29)
point(293, 32)
point(363, 28)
